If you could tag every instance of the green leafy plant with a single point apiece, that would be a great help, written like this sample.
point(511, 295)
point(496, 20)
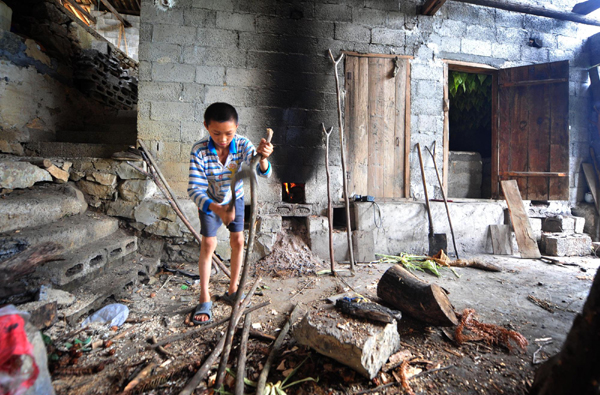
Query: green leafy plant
point(470, 108)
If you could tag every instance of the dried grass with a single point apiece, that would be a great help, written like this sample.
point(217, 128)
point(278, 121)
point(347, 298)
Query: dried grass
point(490, 333)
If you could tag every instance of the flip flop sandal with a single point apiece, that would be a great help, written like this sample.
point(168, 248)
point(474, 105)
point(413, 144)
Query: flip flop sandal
point(230, 299)
point(203, 309)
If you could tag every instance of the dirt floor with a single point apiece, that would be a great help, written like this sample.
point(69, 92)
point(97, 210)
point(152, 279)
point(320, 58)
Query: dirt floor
point(158, 309)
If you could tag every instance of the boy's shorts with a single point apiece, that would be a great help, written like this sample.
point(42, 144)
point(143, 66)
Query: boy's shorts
point(210, 223)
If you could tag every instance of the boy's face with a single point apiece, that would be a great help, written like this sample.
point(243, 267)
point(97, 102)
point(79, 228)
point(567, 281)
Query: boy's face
point(222, 132)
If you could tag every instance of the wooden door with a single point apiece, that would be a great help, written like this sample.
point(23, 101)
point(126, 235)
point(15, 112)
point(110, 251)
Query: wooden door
point(533, 130)
point(377, 125)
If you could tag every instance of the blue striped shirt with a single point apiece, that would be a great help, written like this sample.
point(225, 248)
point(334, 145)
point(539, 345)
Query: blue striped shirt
point(210, 180)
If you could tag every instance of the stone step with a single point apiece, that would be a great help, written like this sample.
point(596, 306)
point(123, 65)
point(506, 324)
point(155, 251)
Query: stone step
point(82, 265)
point(71, 232)
point(73, 150)
point(109, 135)
point(94, 295)
point(39, 206)
point(560, 244)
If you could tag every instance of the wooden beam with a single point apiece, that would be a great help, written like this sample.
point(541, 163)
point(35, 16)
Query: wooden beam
point(431, 7)
point(505, 174)
point(586, 7)
point(538, 82)
point(115, 13)
point(79, 8)
point(525, 9)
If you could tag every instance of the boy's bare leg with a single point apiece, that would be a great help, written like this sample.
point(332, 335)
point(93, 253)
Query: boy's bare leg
point(207, 247)
point(236, 240)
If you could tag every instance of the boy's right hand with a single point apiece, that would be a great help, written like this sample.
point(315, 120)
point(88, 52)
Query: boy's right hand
point(226, 215)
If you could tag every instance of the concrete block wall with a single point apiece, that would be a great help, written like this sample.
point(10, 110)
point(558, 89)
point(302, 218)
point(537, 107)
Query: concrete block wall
point(269, 59)
point(109, 26)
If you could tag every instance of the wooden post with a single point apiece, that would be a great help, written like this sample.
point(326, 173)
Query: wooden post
point(342, 148)
point(329, 205)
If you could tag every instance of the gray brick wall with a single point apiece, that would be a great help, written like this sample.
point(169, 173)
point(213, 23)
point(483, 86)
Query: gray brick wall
point(269, 59)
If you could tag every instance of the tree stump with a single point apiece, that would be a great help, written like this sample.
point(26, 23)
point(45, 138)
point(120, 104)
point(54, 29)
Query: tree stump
point(574, 370)
point(406, 292)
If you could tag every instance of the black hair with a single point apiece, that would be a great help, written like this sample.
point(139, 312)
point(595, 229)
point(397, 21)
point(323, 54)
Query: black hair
point(220, 112)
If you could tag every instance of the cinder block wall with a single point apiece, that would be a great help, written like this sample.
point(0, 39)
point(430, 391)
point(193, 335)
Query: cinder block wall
point(269, 59)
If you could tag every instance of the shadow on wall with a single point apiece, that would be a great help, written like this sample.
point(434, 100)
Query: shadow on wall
point(292, 95)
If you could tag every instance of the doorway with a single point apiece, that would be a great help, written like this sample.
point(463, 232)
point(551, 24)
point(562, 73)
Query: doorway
point(468, 122)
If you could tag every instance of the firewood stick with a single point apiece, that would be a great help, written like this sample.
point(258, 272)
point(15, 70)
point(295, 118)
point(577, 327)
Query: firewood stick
point(262, 379)
point(262, 336)
point(329, 204)
point(203, 371)
point(342, 148)
point(249, 248)
point(202, 329)
point(177, 208)
point(172, 199)
point(142, 375)
point(241, 365)
point(236, 312)
point(161, 349)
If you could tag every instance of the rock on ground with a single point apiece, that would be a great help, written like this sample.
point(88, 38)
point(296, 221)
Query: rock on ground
point(359, 344)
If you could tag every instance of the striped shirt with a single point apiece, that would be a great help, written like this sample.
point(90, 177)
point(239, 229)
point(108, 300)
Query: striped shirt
point(210, 180)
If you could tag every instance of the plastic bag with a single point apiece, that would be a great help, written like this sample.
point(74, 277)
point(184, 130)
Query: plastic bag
point(114, 314)
point(16, 373)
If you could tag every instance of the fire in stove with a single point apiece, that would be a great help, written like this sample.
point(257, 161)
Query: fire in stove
point(293, 192)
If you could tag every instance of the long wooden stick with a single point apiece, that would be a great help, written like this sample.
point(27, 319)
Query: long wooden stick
point(532, 10)
point(342, 147)
point(203, 371)
point(329, 204)
point(241, 365)
point(167, 192)
point(262, 379)
point(444, 197)
point(249, 248)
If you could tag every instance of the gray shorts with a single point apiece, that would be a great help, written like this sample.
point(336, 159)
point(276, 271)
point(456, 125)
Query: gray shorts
point(210, 223)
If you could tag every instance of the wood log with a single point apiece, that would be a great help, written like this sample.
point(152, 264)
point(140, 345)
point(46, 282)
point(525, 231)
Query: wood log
point(406, 292)
point(25, 262)
point(574, 370)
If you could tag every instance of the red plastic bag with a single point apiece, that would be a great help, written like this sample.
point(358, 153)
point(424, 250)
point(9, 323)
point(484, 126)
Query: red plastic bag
point(15, 349)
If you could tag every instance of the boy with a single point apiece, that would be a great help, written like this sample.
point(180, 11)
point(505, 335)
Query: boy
point(214, 160)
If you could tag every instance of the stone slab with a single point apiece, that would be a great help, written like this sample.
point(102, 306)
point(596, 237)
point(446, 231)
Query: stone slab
point(588, 212)
point(70, 232)
point(49, 203)
point(19, 175)
point(559, 224)
point(558, 244)
point(359, 344)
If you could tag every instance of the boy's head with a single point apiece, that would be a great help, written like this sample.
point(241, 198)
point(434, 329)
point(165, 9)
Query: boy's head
point(221, 121)
point(220, 112)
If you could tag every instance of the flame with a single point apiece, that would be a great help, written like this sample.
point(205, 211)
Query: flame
point(287, 188)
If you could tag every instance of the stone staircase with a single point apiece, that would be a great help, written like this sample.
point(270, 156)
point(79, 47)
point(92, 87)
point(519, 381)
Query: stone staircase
point(99, 260)
point(97, 139)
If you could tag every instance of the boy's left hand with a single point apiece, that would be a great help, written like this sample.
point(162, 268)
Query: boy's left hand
point(265, 149)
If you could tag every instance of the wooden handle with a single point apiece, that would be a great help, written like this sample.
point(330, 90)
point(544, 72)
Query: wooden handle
point(269, 135)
